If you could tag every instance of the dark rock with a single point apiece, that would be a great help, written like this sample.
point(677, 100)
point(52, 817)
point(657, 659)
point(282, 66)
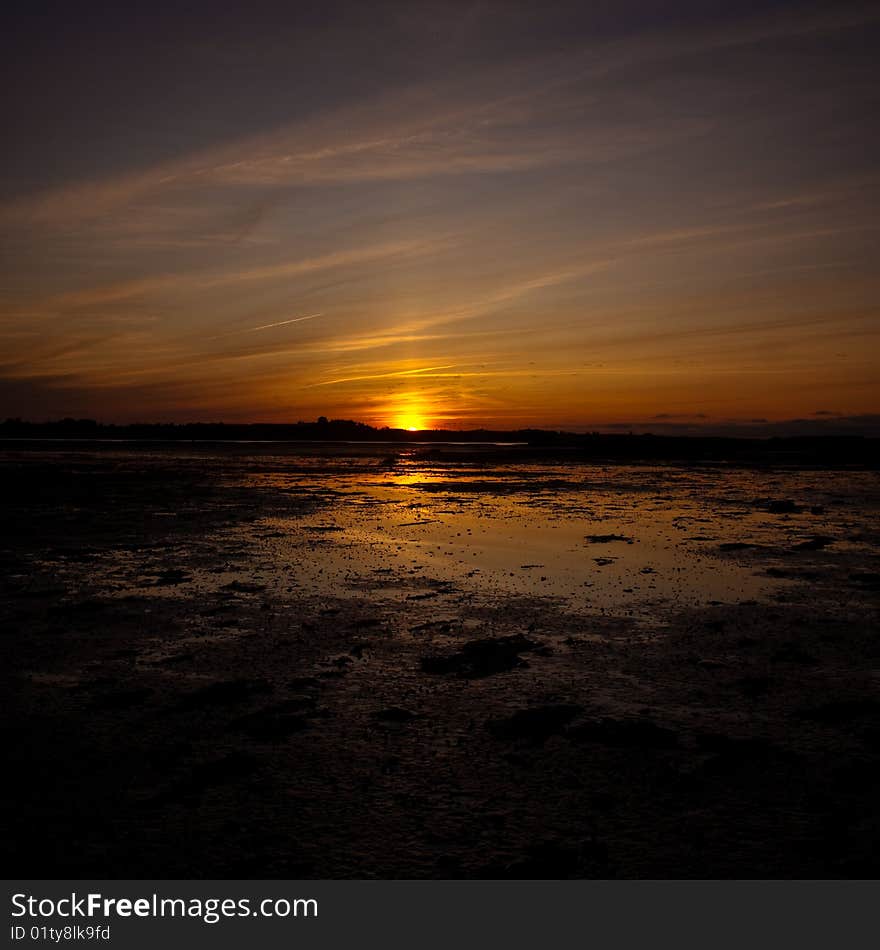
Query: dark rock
point(778, 572)
point(536, 724)
point(782, 506)
point(814, 544)
point(240, 587)
point(226, 693)
point(480, 658)
point(625, 733)
point(363, 623)
point(395, 714)
point(431, 626)
point(171, 577)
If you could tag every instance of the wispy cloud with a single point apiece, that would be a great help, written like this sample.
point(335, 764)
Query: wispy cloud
point(282, 323)
point(200, 281)
point(394, 374)
point(269, 326)
point(472, 123)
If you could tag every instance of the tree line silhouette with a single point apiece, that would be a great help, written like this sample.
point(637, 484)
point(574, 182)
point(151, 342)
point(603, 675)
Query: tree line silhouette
point(833, 451)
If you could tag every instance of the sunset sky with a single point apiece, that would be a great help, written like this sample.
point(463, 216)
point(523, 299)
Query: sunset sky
point(441, 214)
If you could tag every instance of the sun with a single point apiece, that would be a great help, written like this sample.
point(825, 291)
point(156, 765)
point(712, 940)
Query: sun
point(410, 418)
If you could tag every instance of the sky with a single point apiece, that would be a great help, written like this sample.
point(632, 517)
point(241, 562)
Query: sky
point(442, 214)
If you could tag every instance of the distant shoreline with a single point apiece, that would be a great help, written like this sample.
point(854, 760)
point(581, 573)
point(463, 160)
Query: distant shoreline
point(317, 443)
point(824, 452)
point(350, 431)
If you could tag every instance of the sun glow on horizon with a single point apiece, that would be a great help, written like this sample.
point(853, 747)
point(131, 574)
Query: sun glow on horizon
point(411, 416)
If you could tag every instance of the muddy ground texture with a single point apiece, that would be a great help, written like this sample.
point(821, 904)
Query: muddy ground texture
point(182, 702)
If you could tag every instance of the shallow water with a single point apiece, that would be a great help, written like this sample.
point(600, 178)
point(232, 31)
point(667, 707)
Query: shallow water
point(623, 540)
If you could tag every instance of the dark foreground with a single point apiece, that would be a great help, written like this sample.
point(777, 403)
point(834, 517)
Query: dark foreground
point(249, 663)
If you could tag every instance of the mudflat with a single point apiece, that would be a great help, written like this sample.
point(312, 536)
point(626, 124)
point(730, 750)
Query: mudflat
point(436, 662)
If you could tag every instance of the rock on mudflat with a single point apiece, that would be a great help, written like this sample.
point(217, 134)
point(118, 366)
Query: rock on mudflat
point(535, 724)
point(625, 733)
point(479, 658)
point(394, 714)
point(225, 692)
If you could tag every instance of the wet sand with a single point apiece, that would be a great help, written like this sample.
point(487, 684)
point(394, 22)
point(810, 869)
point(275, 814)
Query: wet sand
point(264, 661)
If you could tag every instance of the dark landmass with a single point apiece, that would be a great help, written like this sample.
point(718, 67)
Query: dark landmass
point(823, 450)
